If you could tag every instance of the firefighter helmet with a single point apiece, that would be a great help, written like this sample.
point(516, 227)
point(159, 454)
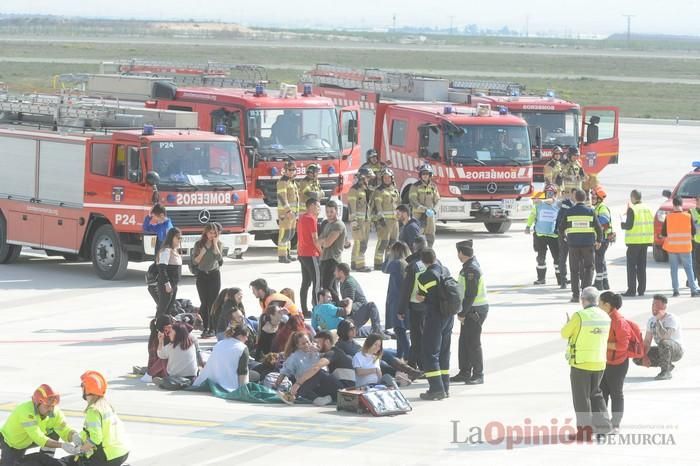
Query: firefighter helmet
point(599, 192)
point(425, 168)
point(557, 150)
point(94, 383)
point(364, 172)
point(386, 171)
point(44, 395)
point(573, 151)
point(372, 153)
point(313, 167)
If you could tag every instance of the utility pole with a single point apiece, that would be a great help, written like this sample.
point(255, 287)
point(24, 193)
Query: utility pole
point(451, 23)
point(629, 29)
point(394, 22)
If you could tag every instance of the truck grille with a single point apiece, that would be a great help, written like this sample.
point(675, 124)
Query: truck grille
point(483, 188)
point(231, 217)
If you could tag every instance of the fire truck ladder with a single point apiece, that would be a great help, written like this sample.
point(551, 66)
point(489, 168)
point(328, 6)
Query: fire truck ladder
point(210, 74)
point(369, 79)
point(63, 111)
point(487, 87)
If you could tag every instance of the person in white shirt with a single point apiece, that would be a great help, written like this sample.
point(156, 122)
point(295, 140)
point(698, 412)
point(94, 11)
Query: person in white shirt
point(366, 362)
point(664, 329)
point(181, 352)
point(228, 364)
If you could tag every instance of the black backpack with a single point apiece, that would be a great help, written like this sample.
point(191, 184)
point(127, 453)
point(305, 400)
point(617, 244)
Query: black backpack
point(449, 295)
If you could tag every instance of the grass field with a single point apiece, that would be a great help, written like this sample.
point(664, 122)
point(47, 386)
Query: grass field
point(635, 99)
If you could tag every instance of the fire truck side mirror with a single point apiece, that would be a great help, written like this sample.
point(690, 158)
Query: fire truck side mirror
point(152, 178)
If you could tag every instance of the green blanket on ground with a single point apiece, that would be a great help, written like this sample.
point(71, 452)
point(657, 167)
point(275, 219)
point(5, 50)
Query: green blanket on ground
point(250, 392)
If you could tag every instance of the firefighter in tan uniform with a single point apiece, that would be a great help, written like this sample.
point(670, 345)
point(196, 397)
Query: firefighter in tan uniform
point(572, 174)
point(310, 187)
point(424, 198)
point(359, 215)
point(376, 166)
point(385, 200)
point(552, 169)
point(287, 211)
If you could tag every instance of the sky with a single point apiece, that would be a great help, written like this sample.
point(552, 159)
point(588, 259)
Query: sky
point(600, 17)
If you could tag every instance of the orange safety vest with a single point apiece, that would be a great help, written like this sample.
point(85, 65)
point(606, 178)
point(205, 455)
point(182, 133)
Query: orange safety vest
point(678, 233)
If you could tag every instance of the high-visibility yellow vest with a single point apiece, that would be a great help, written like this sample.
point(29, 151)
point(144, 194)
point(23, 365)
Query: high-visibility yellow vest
point(591, 343)
point(678, 233)
point(103, 427)
point(696, 220)
point(421, 270)
point(580, 224)
point(601, 210)
point(481, 294)
point(25, 427)
point(642, 232)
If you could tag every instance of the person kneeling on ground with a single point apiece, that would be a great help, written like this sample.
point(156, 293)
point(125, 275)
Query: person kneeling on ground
point(228, 364)
point(103, 437)
point(665, 329)
point(366, 363)
point(301, 357)
point(362, 310)
point(38, 422)
point(326, 315)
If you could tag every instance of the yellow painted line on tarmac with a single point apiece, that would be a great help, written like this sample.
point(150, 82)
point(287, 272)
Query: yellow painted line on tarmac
point(264, 435)
point(295, 426)
point(167, 421)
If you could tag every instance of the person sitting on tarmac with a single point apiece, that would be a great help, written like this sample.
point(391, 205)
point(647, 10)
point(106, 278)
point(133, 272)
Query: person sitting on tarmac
point(363, 311)
point(103, 438)
point(339, 364)
point(269, 325)
point(182, 352)
point(326, 315)
point(38, 422)
point(366, 363)
point(301, 358)
point(227, 365)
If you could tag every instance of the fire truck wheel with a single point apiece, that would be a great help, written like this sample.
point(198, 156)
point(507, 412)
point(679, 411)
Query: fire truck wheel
point(497, 227)
point(109, 255)
point(8, 252)
point(659, 254)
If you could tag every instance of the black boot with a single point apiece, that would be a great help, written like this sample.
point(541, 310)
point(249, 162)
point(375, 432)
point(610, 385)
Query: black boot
point(598, 283)
point(446, 384)
point(541, 274)
point(436, 391)
point(606, 284)
point(401, 366)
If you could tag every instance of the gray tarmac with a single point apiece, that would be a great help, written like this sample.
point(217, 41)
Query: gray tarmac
point(59, 320)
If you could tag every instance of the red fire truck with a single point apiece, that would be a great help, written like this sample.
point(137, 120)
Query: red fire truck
point(552, 122)
point(274, 125)
point(85, 195)
point(481, 158)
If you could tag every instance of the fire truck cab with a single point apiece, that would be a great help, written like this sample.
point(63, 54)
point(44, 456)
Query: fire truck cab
point(481, 157)
point(85, 196)
point(275, 127)
point(552, 121)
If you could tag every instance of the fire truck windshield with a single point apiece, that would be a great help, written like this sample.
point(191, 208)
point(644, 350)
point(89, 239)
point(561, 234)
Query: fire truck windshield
point(689, 187)
point(489, 145)
point(294, 133)
point(558, 128)
point(200, 164)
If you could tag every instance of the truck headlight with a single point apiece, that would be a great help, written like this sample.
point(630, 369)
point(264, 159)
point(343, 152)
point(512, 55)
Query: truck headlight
point(455, 190)
point(261, 215)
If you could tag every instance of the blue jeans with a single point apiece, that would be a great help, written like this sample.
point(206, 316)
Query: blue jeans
point(686, 260)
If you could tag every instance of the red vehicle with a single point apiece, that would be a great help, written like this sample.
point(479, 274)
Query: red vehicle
point(85, 196)
point(554, 122)
point(481, 158)
point(688, 188)
point(274, 126)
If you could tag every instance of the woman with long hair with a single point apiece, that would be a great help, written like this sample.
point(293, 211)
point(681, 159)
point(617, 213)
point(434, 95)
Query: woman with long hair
point(207, 257)
point(228, 301)
point(617, 359)
point(294, 324)
point(366, 362)
point(395, 265)
point(169, 271)
point(181, 352)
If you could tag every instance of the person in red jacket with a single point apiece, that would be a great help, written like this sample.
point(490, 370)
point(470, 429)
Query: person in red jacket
point(618, 362)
